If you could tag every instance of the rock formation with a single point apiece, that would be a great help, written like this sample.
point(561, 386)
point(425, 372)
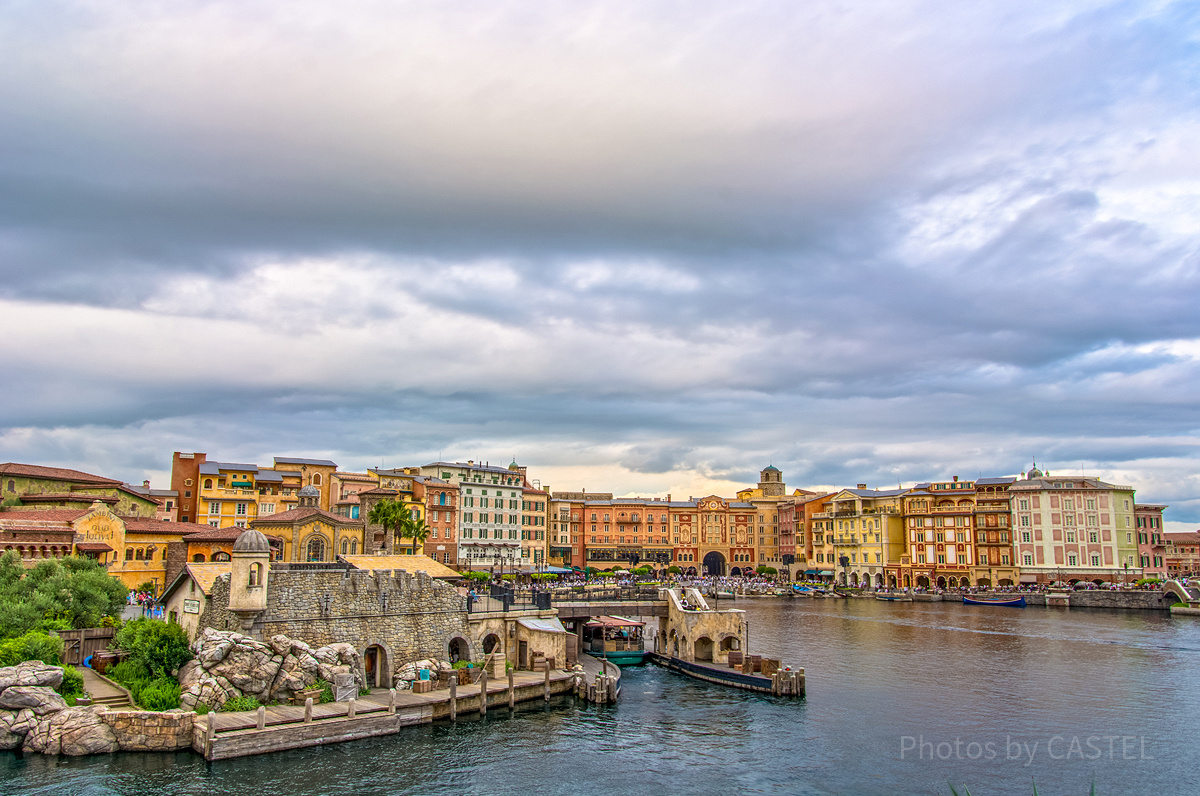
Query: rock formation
point(36, 718)
point(229, 664)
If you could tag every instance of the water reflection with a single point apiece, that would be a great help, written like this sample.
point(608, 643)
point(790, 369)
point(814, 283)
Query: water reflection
point(878, 673)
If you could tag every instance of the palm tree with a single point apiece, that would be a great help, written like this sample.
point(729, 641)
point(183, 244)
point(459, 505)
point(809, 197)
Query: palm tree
point(390, 514)
point(414, 529)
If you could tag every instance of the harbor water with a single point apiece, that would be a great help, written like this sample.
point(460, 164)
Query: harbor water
point(902, 698)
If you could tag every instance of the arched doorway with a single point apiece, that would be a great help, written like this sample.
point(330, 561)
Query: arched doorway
point(922, 582)
point(908, 581)
point(983, 583)
point(490, 642)
point(730, 643)
point(892, 581)
point(315, 549)
point(941, 582)
point(735, 572)
point(704, 649)
point(714, 564)
point(376, 668)
point(879, 580)
point(458, 650)
point(691, 572)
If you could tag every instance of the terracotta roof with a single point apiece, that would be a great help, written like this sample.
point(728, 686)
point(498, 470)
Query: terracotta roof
point(410, 564)
point(41, 515)
point(378, 491)
point(59, 473)
point(94, 547)
point(209, 534)
point(301, 513)
point(150, 525)
point(204, 575)
point(78, 497)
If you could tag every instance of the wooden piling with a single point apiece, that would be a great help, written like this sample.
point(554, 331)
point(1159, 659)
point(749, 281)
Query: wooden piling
point(350, 707)
point(262, 717)
point(547, 681)
point(308, 711)
point(512, 691)
point(391, 700)
point(454, 697)
point(483, 692)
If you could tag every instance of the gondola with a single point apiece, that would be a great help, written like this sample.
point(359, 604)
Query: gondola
point(1008, 602)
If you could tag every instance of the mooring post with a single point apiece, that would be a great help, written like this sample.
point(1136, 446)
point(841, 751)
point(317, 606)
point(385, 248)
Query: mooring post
point(483, 692)
point(350, 705)
point(391, 700)
point(262, 717)
point(512, 692)
point(308, 711)
point(547, 681)
point(209, 732)
point(454, 696)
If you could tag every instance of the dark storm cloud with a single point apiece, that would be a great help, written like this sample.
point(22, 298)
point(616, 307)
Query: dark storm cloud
point(874, 243)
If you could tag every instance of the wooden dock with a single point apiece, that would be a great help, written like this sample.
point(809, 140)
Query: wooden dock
point(221, 736)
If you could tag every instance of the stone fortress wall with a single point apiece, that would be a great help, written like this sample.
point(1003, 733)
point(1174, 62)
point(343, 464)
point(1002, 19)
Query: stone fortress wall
point(407, 617)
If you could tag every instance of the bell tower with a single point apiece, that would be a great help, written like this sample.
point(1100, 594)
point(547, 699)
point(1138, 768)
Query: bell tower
point(770, 481)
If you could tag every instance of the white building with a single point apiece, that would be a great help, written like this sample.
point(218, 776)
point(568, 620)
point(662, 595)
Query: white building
point(489, 514)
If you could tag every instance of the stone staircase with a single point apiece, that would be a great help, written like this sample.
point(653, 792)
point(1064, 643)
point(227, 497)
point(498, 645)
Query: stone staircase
point(104, 691)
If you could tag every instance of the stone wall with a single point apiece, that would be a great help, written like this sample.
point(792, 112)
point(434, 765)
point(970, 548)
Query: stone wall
point(148, 731)
point(1098, 598)
point(409, 617)
point(681, 628)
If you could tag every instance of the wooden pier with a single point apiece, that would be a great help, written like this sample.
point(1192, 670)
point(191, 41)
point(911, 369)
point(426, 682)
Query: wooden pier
point(221, 736)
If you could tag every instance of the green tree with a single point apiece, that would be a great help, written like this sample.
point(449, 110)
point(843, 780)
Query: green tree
point(56, 594)
point(388, 514)
point(415, 530)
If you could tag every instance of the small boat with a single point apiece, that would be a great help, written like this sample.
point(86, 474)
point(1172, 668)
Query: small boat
point(615, 638)
point(889, 597)
point(1009, 602)
point(808, 590)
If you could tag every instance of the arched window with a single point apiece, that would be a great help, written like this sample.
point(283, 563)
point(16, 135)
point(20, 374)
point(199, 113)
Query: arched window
point(316, 479)
point(255, 575)
point(441, 497)
point(12, 485)
point(353, 547)
point(220, 556)
point(198, 558)
point(208, 483)
point(345, 546)
point(316, 549)
point(128, 553)
point(140, 555)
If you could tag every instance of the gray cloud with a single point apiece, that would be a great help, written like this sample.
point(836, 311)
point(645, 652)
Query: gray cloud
point(654, 245)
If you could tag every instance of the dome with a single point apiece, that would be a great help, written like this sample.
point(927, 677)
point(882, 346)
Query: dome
point(251, 541)
point(309, 491)
point(771, 468)
point(1034, 472)
point(514, 466)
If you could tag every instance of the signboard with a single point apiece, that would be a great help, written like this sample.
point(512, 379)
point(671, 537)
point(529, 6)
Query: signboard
point(191, 606)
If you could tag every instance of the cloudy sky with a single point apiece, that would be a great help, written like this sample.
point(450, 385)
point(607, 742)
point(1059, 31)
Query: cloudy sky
point(640, 247)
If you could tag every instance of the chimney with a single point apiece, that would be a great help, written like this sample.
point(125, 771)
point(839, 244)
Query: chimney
point(956, 479)
point(862, 486)
point(146, 484)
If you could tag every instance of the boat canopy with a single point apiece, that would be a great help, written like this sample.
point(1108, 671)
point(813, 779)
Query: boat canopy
point(613, 621)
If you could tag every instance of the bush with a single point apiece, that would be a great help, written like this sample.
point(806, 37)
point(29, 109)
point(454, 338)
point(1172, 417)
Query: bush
point(160, 694)
point(673, 570)
point(240, 703)
point(326, 691)
point(72, 684)
point(476, 576)
point(202, 709)
point(508, 576)
point(462, 665)
point(56, 594)
point(33, 646)
point(160, 647)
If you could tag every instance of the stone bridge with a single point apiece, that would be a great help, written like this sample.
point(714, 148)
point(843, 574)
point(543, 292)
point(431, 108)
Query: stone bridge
point(1186, 592)
point(584, 609)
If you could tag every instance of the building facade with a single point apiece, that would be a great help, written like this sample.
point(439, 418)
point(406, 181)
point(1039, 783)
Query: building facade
point(1152, 552)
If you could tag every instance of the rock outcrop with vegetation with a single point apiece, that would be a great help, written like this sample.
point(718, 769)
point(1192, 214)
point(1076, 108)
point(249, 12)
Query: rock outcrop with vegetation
point(228, 665)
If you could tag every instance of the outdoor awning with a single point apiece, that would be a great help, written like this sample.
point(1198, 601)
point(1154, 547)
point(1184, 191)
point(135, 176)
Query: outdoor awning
point(613, 621)
point(825, 572)
point(543, 625)
point(1028, 578)
point(811, 572)
point(94, 547)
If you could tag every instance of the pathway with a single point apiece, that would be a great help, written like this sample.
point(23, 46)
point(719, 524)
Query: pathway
point(103, 691)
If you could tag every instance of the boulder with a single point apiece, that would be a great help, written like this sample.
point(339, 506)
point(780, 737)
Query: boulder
point(72, 731)
point(31, 673)
point(14, 726)
point(40, 699)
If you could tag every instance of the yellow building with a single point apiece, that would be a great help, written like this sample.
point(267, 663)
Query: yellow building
point(763, 532)
point(312, 534)
point(865, 531)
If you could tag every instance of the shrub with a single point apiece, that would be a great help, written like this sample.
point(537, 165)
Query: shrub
point(72, 684)
point(240, 703)
point(462, 665)
point(508, 576)
point(673, 570)
point(33, 646)
point(159, 694)
point(476, 576)
point(202, 709)
point(160, 647)
point(326, 690)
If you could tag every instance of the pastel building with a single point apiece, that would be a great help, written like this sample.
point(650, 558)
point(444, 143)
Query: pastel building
point(489, 519)
point(865, 530)
point(1071, 528)
point(1151, 548)
point(939, 520)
